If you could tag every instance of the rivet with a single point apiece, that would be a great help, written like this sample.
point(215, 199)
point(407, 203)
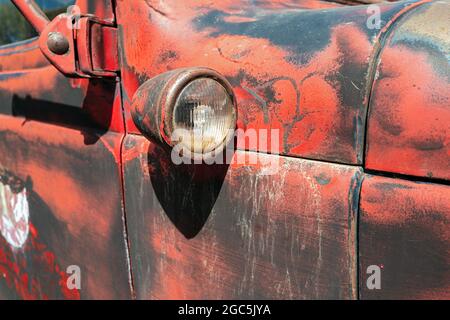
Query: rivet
point(57, 43)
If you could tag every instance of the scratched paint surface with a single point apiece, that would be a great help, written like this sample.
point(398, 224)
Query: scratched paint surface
point(40, 277)
point(75, 212)
point(304, 72)
point(60, 156)
point(223, 232)
point(404, 228)
point(409, 120)
point(27, 56)
point(75, 209)
point(231, 231)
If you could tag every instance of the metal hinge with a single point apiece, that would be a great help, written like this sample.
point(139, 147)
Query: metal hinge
point(81, 46)
point(77, 45)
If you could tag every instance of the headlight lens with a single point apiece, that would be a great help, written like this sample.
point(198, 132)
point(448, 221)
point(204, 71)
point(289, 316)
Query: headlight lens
point(205, 112)
point(193, 111)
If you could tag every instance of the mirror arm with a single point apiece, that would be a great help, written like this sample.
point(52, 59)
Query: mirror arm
point(33, 13)
point(78, 45)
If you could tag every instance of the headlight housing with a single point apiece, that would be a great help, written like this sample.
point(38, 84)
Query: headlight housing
point(194, 108)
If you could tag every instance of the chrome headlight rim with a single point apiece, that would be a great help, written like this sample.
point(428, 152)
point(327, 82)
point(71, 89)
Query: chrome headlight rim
point(176, 86)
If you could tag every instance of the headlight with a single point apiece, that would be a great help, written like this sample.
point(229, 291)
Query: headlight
point(194, 108)
point(204, 112)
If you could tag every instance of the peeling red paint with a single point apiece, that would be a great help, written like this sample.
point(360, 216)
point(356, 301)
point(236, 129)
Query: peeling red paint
point(409, 118)
point(404, 227)
point(316, 95)
point(234, 231)
point(16, 268)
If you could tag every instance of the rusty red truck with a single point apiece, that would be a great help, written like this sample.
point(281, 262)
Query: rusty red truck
point(198, 149)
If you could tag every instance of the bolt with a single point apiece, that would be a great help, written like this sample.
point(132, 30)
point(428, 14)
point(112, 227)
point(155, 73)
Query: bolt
point(57, 43)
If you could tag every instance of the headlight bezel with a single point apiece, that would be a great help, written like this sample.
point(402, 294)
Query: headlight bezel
point(154, 104)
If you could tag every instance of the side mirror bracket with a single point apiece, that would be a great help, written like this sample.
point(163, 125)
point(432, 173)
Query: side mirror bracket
point(32, 13)
point(86, 49)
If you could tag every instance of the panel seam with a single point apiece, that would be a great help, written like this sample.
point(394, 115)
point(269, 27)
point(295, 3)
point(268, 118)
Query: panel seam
point(378, 48)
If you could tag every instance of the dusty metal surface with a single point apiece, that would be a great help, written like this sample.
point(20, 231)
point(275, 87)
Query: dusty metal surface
point(404, 230)
point(304, 72)
point(409, 114)
point(235, 232)
point(60, 181)
point(19, 58)
point(75, 209)
point(314, 87)
point(306, 68)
